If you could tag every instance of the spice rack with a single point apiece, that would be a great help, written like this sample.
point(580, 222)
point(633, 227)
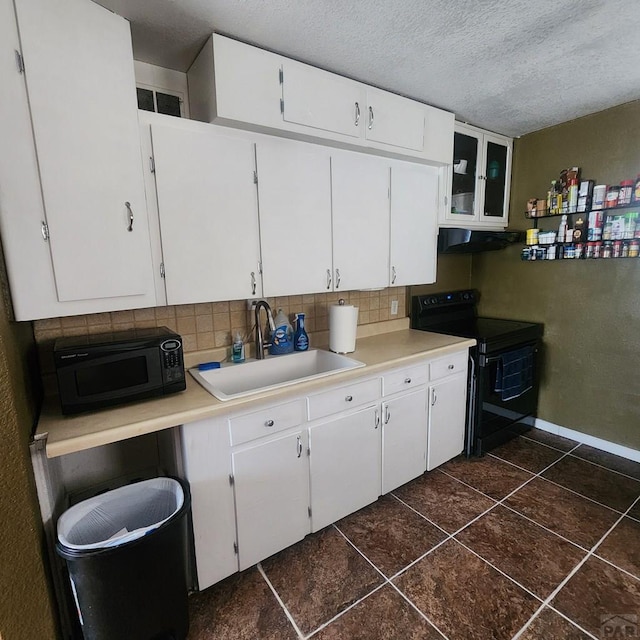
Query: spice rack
point(621, 244)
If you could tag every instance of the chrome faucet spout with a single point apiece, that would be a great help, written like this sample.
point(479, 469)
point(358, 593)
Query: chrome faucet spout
point(261, 345)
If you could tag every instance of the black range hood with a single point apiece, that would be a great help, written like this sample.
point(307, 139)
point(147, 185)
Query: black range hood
point(472, 241)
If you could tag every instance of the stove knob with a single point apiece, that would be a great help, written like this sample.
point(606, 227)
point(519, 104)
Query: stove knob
point(433, 300)
point(465, 296)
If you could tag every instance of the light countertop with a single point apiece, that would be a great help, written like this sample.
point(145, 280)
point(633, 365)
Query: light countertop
point(68, 434)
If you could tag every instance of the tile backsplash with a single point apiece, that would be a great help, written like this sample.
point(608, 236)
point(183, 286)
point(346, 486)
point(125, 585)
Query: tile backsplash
point(212, 324)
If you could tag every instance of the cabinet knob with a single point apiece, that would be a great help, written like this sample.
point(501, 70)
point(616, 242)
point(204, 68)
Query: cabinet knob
point(451, 366)
point(349, 398)
point(269, 423)
point(407, 380)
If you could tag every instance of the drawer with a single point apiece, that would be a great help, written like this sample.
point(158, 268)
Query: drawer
point(344, 398)
point(404, 379)
point(251, 426)
point(455, 363)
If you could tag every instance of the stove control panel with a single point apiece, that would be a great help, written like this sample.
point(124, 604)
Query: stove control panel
point(465, 296)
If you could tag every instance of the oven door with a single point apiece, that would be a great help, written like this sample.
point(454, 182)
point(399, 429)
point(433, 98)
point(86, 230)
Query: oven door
point(104, 380)
point(498, 420)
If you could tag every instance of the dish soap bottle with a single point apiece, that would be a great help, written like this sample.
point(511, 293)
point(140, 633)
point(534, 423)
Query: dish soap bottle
point(300, 338)
point(237, 350)
point(282, 337)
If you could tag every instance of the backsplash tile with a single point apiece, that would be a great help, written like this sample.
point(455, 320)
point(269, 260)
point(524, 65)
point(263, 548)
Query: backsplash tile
point(212, 324)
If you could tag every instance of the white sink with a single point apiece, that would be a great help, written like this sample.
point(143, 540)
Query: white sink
point(255, 376)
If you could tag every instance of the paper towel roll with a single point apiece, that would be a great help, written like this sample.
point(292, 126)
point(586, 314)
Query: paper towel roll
point(343, 323)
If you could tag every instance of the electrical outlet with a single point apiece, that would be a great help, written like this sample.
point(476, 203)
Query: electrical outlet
point(394, 307)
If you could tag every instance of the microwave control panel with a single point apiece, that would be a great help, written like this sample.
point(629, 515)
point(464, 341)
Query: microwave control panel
point(172, 361)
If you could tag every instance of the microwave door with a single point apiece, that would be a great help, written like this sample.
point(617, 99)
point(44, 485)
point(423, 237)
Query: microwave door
point(111, 377)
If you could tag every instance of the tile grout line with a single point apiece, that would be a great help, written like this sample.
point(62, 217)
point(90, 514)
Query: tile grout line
point(597, 464)
point(280, 602)
point(414, 606)
point(581, 495)
point(575, 570)
point(324, 625)
point(550, 445)
point(335, 526)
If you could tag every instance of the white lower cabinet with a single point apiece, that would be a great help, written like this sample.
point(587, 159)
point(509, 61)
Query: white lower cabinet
point(344, 465)
point(207, 467)
point(271, 489)
point(263, 478)
point(447, 410)
point(404, 438)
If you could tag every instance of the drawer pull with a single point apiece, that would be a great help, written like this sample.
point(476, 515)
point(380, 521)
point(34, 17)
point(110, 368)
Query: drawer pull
point(451, 366)
point(387, 414)
point(299, 445)
point(377, 419)
point(269, 423)
point(407, 380)
point(348, 398)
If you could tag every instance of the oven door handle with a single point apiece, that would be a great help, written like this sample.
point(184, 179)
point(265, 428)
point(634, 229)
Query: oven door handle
point(484, 361)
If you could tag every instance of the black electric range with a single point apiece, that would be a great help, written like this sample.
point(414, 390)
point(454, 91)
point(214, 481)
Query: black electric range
point(503, 368)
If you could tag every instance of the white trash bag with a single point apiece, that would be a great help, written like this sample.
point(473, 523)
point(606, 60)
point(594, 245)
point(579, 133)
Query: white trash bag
point(120, 515)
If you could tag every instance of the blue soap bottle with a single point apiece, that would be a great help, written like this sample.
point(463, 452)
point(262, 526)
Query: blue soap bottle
point(300, 338)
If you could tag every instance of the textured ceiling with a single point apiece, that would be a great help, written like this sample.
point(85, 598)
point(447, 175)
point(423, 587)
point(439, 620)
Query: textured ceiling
point(511, 66)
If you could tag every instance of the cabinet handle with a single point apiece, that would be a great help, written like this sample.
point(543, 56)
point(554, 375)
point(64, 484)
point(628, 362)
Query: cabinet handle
point(299, 447)
point(357, 114)
point(269, 423)
point(393, 275)
point(407, 380)
point(377, 418)
point(433, 397)
point(130, 214)
point(370, 117)
point(253, 283)
point(348, 398)
point(451, 366)
point(328, 279)
point(387, 414)
point(337, 278)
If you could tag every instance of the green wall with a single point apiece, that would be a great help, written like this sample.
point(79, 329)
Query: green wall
point(26, 611)
point(590, 308)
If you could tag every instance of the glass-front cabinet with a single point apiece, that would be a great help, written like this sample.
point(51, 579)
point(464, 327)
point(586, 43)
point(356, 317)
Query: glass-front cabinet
point(480, 178)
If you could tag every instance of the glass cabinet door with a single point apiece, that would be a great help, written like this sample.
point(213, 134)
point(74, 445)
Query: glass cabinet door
point(495, 173)
point(464, 192)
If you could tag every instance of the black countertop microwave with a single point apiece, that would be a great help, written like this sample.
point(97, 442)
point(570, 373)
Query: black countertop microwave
point(112, 368)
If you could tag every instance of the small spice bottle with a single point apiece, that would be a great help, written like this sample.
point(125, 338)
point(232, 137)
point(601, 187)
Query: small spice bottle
point(626, 190)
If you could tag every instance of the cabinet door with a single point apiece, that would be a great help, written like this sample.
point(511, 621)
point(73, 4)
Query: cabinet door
point(448, 400)
point(414, 213)
point(394, 120)
point(360, 192)
point(496, 178)
point(465, 196)
point(404, 439)
point(322, 100)
point(81, 87)
point(345, 465)
point(208, 215)
point(294, 191)
point(271, 484)
point(207, 465)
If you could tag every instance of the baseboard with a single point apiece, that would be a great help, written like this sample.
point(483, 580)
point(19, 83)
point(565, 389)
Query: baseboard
point(592, 441)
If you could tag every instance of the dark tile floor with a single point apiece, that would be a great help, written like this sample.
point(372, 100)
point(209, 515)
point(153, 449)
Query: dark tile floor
point(539, 540)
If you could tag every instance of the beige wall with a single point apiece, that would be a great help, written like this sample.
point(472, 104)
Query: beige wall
point(590, 308)
point(25, 611)
point(454, 272)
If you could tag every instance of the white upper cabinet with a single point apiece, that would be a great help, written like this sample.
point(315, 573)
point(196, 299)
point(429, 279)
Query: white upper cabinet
point(208, 214)
point(414, 213)
point(479, 179)
point(360, 192)
point(322, 100)
point(238, 84)
point(294, 191)
point(231, 82)
point(394, 120)
point(81, 92)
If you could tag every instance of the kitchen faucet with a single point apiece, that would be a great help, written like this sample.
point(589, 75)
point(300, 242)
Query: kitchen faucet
point(260, 344)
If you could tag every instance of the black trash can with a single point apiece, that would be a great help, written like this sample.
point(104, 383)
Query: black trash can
point(125, 552)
